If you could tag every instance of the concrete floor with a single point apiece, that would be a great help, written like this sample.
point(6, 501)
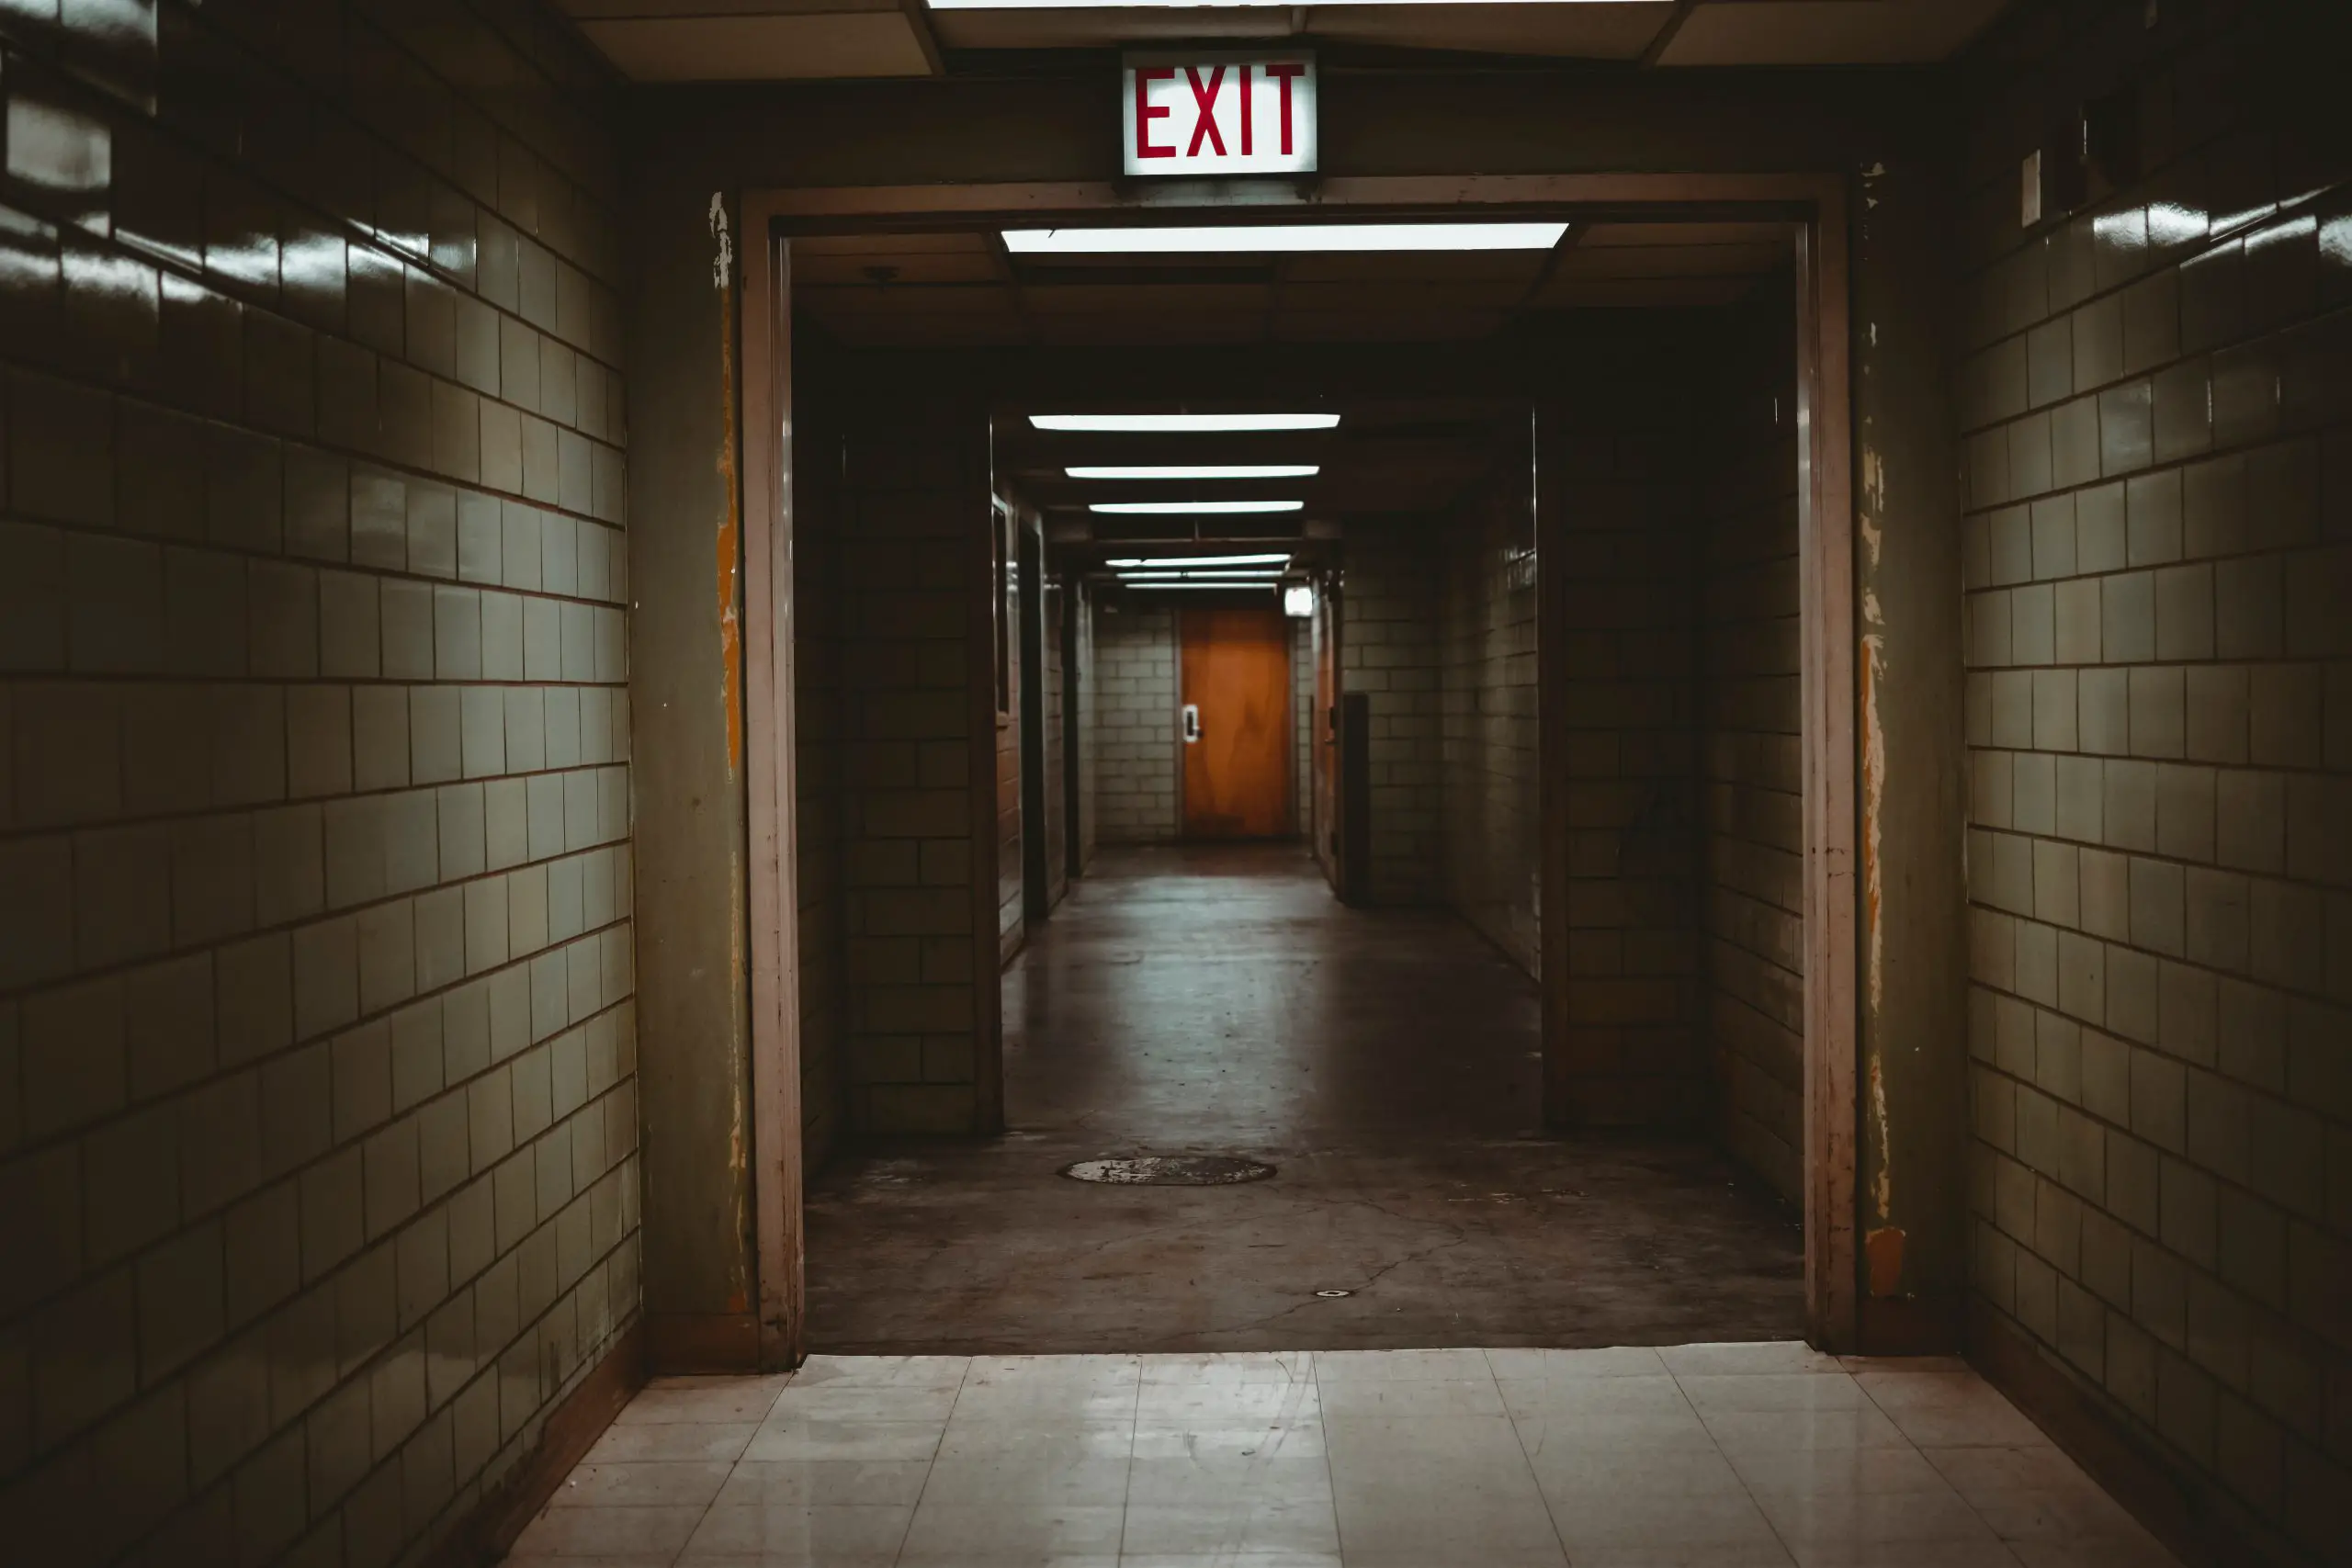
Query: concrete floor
point(1735, 1456)
point(1220, 999)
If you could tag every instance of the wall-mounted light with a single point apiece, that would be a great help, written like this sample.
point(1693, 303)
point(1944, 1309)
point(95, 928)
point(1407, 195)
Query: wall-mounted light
point(1195, 470)
point(1298, 600)
point(1131, 507)
point(1180, 423)
point(1254, 238)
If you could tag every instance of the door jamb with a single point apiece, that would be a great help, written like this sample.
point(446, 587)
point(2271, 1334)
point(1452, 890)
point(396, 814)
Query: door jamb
point(1817, 204)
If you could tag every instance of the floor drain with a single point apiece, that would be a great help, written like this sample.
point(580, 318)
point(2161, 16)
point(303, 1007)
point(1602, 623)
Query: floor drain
point(1170, 1170)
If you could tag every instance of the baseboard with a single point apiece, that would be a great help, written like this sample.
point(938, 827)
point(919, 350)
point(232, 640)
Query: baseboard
point(702, 1342)
point(2182, 1509)
point(570, 1432)
point(1909, 1325)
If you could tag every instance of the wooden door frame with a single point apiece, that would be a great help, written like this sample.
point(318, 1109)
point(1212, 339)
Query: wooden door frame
point(1815, 206)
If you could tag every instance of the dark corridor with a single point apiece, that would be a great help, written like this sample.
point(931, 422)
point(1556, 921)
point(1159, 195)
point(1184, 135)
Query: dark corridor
point(1220, 999)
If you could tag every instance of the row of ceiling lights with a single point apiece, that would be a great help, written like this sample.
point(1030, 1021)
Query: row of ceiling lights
point(1197, 573)
point(1187, 425)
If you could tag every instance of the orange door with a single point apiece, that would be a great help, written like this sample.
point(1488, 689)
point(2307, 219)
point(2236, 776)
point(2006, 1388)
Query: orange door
point(1237, 751)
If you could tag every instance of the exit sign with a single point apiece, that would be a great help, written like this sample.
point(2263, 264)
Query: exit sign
point(1207, 112)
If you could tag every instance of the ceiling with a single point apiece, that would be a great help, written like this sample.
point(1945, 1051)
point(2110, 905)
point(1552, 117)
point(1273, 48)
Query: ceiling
point(690, 40)
point(963, 289)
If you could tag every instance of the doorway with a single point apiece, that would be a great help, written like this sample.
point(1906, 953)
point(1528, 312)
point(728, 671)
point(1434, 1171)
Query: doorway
point(1235, 684)
point(1827, 1071)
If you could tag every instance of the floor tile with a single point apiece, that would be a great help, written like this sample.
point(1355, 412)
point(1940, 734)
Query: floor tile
point(1711, 1393)
point(1947, 1409)
point(1862, 1427)
point(1976, 1469)
point(1883, 1519)
point(1432, 1489)
point(636, 1443)
point(1903, 1363)
point(894, 1372)
point(1400, 1366)
point(1398, 1460)
point(606, 1532)
point(1846, 1470)
point(827, 1438)
point(1597, 1519)
point(824, 1480)
point(690, 1483)
point(1570, 1471)
point(1633, 1430)
point(1001, 1535)
point(1305, 1524)
point(1028, 1465)
point(1603, 1401)
point(1226, 1403)
point(887, 1402)
point(1764, 1553)
point(1619, 1362)
point(1223, 1480)
point(1372, 1398)
point(822, 1536)
point(2140, 1552)
point(1774, 1356)
point(1206, 1442)
point(702, 1400)
point(1229, 1365)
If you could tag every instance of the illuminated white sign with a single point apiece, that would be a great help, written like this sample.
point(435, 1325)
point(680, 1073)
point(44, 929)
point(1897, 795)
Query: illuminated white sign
point(1218, 112)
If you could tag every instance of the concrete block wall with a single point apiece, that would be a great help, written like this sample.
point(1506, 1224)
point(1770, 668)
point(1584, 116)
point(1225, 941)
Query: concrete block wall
point(1621, 569)
point(1492, 824)
point(913, 559)
point(1135, 766)
point(1389, 650)
point(2157, 406)
point(317, 1099)
point(1751, 823)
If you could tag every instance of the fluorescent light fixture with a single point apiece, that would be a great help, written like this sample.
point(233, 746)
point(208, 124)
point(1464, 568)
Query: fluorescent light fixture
point(1155, 562)
point(1197, 5)
point(1258, 582)
point(1235, 575)
point(1200, 506)
point(1298, 600)
point(1287, 237)
point(1180, 423)
point(1195, 470)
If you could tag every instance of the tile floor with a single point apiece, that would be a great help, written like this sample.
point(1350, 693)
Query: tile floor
point(1697, 1455)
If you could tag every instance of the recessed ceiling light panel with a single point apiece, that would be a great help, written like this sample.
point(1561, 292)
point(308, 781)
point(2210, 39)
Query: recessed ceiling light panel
point(1194, 471)
point(1180, 507)
point(1252, 238)
point(1180, 423)
point(1151, 562)
point(1207, 5)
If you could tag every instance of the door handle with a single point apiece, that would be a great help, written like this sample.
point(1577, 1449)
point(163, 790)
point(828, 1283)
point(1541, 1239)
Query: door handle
point(1191, 722)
